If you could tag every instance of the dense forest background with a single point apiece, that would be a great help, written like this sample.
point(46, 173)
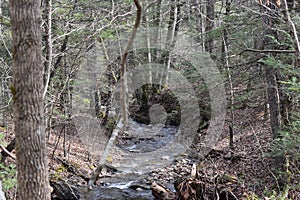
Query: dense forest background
point(254, 45)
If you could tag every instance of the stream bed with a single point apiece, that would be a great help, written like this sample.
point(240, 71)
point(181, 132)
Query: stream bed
point(138, 150)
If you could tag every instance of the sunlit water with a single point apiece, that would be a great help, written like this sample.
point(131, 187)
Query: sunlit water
point(142, 148)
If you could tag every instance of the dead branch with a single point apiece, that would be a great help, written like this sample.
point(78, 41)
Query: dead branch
point(71, 168)
point(9, 148)
point(266, 51)
point(7, 152)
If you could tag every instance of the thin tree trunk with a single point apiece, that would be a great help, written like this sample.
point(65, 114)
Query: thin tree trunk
point(48, 44)
point(273, 99)
point(2, 89)
point(123, 62)
point(210, 17)
point(293, 32)
point(1, 1)
point(27, 90)
point(120, 125)
point(148, 38)
point(48, 58)
point(226, 64)
point(173, 29)
point(289, 102)
point(271, 72)
point(156, 21)
point(171, 24)
point(200, 19)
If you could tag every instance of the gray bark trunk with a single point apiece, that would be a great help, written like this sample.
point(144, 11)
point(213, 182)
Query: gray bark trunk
point(27, 93)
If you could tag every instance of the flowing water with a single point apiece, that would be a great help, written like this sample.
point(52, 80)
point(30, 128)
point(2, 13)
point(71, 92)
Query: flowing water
point(142, 148)
point(137, 150)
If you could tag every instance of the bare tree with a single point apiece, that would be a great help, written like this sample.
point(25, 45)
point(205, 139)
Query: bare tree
point(27, 90)
point(123, 61)
point(109, 144)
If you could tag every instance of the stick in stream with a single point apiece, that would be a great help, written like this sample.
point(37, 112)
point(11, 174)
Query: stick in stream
point(107, 149)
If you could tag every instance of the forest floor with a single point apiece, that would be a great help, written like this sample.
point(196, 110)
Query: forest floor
point(245, 170)
point(250, 166)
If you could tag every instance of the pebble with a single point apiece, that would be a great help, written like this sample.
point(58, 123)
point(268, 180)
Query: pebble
point(181, 168)
point(165, 158)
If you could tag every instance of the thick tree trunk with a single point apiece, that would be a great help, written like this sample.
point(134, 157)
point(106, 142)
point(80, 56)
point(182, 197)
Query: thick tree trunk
point(27, 92)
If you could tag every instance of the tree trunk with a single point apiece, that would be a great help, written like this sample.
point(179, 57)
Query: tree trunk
point(156, 25)
point(123, 62)
point(2, 89)
point(122, 122)
point(293, 32)
point(210, 17)
point(268, 11)
point(200, 19)
point(1, 1)
point(273, 100)
point(48, 44)
point(230, 81)
point(27, 93)
point(173, 28)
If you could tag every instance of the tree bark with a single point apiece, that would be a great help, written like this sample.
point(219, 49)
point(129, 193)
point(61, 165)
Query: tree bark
point(123, 122)
point(210, 17)
point(293, 31)
point(48, 44)
point(230, 81)
point(156, 25)
point(173, 28)
point(200, 19)
point(273, 100)
point(123, 62)
point(2, 89)
point(269, 7)
point(27, 90)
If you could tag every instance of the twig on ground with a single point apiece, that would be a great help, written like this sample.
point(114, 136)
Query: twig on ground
point(7, 152)
point(260, 147)
point(277, 183)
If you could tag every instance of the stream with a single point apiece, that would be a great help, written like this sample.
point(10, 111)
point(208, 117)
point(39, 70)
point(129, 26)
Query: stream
point(138, 150)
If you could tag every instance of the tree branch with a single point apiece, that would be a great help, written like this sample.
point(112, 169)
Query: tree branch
point(266, 51)
point(293, 33)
